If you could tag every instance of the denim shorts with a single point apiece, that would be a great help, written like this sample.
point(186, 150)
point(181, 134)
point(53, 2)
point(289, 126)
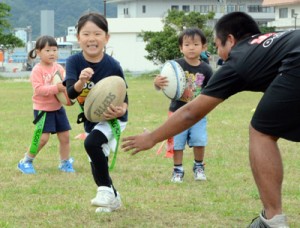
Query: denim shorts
point(194, 136)
point(56, 121)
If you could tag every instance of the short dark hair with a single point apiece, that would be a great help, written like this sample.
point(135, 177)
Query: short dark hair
point(96, 18)
point(238, 24)
point(191, 32)
point(40, 43)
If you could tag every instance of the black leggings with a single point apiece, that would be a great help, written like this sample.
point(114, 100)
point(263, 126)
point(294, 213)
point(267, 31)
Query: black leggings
point(99, 165)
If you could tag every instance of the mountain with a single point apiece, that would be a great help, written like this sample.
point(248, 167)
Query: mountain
point(66, 13)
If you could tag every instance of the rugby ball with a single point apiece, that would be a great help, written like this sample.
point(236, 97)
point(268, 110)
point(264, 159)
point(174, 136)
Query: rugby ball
point(62, 97)
point(110, 90)
point(176, 77)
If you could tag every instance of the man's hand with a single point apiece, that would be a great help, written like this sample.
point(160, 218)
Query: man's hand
point(138, 143)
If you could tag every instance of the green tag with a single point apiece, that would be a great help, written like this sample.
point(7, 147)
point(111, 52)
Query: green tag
point(38, 131)
point(116, 129)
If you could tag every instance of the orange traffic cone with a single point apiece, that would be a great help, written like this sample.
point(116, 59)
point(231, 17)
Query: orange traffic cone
point(170, 148)
point(160, 147)
point(170, 143)
point(81, 136)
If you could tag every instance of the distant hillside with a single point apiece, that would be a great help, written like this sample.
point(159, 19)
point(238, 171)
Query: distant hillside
point(66, 13)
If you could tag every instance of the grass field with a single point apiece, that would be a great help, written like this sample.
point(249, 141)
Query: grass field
point(50, 198)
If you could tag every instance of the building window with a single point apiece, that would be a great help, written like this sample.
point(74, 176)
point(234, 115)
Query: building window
point(254, 9)
point(212, 8)
point(205, 8)
point(268, 9)
point(259, 9)
point(197, 8)
point(283, 13)
point(144, 9)
point(202, 8)
point(230, 8)
point(242, 8)
point(125, 11)
point(186, 8)
point(174, 7)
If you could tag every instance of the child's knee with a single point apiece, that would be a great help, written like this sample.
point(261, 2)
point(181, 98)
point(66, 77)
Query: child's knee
point(94, 140)
point(44, 139)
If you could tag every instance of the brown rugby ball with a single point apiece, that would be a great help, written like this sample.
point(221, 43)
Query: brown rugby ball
point(62, 97)
point(110, 90)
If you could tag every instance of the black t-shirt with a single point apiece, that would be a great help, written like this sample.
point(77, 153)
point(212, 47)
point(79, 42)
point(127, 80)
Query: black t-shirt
point(196, 78)
point(254, 62)
point(108, 66)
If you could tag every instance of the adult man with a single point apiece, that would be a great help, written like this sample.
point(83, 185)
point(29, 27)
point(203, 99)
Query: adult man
point(269, 63)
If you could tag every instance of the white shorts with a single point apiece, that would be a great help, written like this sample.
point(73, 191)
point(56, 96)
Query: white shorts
point(105, 128)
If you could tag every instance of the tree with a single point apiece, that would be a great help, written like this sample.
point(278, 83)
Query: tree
point(265, 29)
point(162, 46)
point(7, 39)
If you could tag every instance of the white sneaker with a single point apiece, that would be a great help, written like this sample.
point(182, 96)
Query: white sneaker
point(177, 176)
point(106, 200)
point(278, 221)
point(199, 174)
point(103, 209)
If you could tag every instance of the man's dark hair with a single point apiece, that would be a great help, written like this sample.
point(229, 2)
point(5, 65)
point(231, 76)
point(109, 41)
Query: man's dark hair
point(238, 24)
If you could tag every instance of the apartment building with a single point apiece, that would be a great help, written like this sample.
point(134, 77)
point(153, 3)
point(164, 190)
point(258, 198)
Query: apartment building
point(159, 8)
point(287, 14)
point(135, 16)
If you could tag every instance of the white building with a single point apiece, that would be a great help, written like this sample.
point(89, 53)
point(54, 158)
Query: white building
point(287, 14)
point(135, 16)
point(127, 46)
point(124, 44)
point(158, 8)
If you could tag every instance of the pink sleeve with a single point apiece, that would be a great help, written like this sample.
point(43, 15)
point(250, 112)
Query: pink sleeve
point(42, 83)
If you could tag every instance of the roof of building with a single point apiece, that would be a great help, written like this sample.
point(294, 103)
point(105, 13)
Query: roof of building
point(279, 2)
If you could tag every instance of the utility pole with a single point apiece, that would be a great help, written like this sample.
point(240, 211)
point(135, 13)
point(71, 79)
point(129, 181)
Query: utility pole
point(104, 8)
point(295, 15)
point(29, 36)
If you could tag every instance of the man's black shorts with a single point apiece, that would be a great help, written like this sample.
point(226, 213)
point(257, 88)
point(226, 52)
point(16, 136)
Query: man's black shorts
point(278, 112)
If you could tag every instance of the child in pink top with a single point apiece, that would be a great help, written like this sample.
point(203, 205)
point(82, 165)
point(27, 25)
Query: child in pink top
point(50, 116)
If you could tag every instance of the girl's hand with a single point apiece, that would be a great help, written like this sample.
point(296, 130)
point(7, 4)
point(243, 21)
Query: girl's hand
point(61, 87)
point(86, 75)
point(113, 112)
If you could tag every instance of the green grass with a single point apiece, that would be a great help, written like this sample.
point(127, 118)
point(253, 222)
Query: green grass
point(228, 198)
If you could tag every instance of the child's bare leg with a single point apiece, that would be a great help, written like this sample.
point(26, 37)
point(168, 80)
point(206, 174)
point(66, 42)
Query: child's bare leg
point(199, 153)
point(43, 141)
point(178, 157)
point(64, 144)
